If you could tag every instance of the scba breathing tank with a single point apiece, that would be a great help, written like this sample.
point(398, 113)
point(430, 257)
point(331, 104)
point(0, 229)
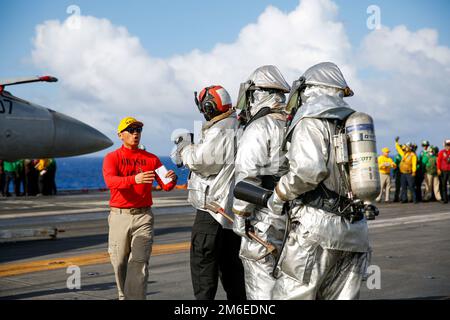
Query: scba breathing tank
point(363, 165)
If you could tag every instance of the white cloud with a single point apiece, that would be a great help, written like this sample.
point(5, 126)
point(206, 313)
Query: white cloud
point(106, 73)
point(292, 41)
point(411, 96)
point(400, 50)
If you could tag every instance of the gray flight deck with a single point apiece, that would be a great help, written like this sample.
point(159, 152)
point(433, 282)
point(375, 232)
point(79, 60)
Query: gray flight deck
point(411, 247)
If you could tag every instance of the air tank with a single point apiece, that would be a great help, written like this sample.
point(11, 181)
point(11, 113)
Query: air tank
point(364, 174)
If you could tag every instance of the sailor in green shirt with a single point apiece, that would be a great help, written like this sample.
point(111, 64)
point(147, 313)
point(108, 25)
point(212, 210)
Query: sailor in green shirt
point(9, 166)
point(429, 162)
point(420, 170)
point(11, 174)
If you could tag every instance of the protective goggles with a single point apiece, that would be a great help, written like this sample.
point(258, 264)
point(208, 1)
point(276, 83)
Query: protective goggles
point(133, 129)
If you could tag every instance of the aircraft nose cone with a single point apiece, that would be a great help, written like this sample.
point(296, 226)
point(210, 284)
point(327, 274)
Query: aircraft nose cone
point(73, 137)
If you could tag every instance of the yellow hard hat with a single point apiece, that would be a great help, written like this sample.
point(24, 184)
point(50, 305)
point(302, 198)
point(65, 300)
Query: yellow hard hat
point(385, 150)
point(126, 122)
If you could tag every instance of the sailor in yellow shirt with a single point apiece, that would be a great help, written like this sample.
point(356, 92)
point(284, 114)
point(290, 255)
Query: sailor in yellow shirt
point(385, 164)
point(42, 167)
point(407, 167)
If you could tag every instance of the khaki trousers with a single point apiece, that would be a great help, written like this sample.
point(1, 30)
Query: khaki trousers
point(432, 185)
point(129, 247)
point(385, 186)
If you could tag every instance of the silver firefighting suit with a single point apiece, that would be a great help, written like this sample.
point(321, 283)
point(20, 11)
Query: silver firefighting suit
point(325, 256)
point(212, 165)
point(214, 246)
point(259, 158)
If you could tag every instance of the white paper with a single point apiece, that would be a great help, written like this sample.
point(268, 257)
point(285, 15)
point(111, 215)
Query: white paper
point(161, 172)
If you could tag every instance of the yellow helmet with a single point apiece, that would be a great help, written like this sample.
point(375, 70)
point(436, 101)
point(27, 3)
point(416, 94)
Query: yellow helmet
point(126, 122)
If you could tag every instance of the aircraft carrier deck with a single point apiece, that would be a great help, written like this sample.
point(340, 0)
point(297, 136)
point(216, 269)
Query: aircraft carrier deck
point(410, 244)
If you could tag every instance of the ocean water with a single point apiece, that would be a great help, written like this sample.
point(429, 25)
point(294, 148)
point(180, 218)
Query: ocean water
point(81, 173)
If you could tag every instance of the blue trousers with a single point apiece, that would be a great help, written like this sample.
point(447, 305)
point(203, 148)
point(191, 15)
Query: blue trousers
point(407, 181)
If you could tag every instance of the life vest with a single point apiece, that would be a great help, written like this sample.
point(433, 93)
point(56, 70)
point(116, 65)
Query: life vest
point(406, 163)
point(431, 165)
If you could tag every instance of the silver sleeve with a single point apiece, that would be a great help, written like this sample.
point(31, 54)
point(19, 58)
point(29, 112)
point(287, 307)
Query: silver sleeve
point(208, 157)
point(308, 153)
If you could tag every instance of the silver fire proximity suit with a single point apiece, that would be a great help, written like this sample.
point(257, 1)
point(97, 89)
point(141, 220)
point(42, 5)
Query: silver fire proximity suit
point(325, 256)
point(259, 158)
point(214, 252)
point(212, 165)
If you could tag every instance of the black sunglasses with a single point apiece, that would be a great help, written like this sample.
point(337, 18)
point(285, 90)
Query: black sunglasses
point(133, 130)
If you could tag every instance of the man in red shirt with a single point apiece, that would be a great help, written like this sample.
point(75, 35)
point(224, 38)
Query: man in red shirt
point(129, 173)
point(443, 167)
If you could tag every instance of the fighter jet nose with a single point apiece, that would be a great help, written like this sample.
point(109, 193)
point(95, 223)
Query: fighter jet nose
point(73, 137)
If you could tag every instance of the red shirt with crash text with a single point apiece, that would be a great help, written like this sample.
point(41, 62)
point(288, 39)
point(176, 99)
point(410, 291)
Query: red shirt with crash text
point(119, 169)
